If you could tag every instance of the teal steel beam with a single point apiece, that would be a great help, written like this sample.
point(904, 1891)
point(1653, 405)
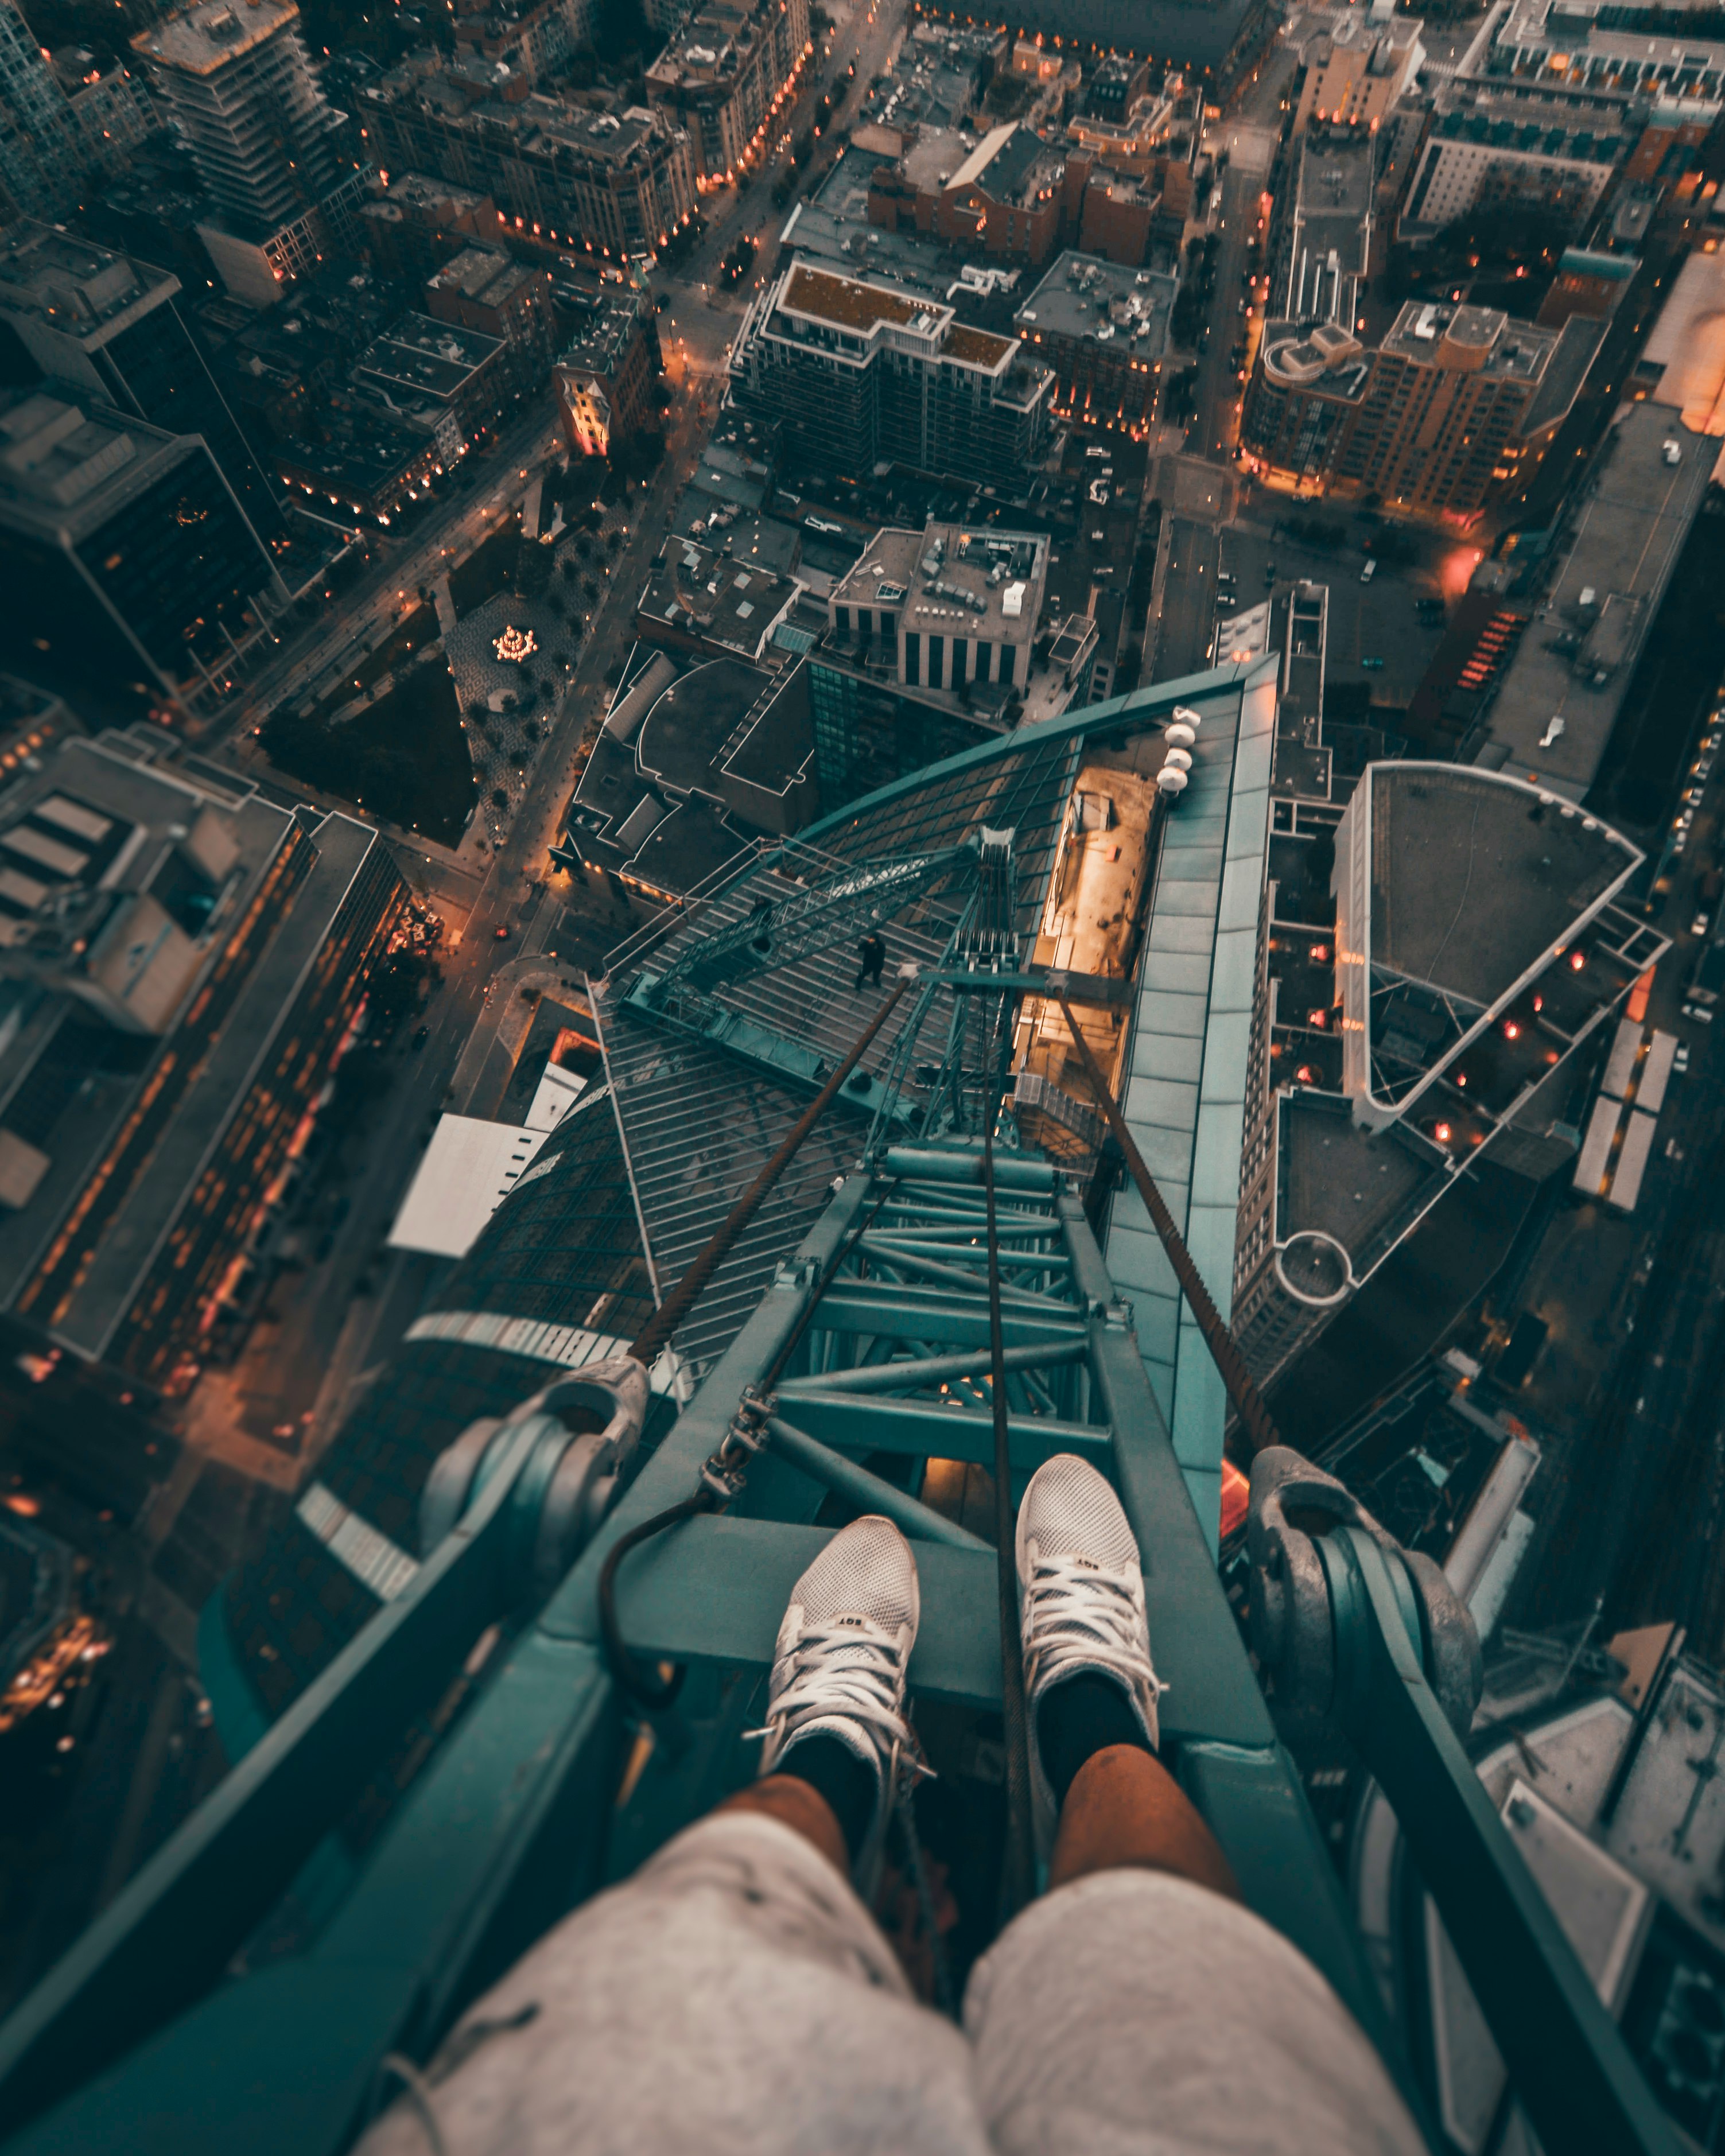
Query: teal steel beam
point(1234, 1769)
point(174, 1926)
point(786, 1062)
point(932, 1369)
point(903, 1246)
point(935, 1269)
point(1567, 2059)
point(914, 1164)
point(869, 1493)
point(955, 1235)
point(716, 1590)
point(504, 1828)
point(928, 1431)
point(878, 1307)
point(1100, 990)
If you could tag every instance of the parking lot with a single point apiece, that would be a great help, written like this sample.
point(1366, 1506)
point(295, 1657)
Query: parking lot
point(1380, 621)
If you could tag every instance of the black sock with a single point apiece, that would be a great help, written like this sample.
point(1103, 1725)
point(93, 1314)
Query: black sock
point(1085, 1715)
point(843, 1779)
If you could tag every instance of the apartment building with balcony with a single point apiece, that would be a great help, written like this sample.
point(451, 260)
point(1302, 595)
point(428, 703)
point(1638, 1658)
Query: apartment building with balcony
point(237, 88)
point(1491, 148)
point(1455, 404)
point(855, 374)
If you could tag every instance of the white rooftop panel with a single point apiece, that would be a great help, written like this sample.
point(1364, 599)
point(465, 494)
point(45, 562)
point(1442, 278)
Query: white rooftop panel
point(1621, 1067)
point(469, 1167)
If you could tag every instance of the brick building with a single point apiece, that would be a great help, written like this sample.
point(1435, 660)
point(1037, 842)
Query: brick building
point(610, 363)
point(619, 183)
point(1455, 404)
point(419, 221)
point(1018, 198)
point(483, 288)
point(725, 76)
point(1104, 330)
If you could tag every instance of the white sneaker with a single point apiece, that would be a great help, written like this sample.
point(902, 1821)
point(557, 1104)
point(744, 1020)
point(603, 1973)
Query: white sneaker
point(840, 1668)
point(1080, 1605)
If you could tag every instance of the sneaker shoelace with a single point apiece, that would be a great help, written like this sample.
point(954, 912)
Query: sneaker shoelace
point(864, 1686)
point(1078, 1615)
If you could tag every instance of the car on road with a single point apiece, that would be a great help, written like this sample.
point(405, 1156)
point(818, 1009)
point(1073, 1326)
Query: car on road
point(1700, 925)
point(1369, 570)
point(1373, 666)
point(1270, 573)
point(503, 933)
point(1680, 1060)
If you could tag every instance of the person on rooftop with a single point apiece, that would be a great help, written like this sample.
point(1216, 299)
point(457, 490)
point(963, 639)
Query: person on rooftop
point(871, 959)
point(736, 1998)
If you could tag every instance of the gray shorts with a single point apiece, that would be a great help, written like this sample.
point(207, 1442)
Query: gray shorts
point(735, 1996)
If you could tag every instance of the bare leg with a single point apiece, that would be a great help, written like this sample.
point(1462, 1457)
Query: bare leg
point(799, 1805)
point(1125, 1809)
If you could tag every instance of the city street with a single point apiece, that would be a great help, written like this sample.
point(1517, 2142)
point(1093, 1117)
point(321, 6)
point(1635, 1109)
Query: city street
point(271, 1412)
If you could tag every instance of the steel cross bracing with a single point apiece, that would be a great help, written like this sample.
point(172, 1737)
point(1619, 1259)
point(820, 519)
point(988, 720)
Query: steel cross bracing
point(686, 1060)
point(777, 929)
point(509, 1821)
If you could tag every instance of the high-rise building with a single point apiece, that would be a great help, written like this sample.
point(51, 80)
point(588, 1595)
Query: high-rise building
point(1360, 71)
point(111, 328)
point(181, 962)
point(238, 86)
point(39, 157)
point(239, 89)
point(1104, 329)
point(725, 75)
point(109, 108)
point(1455, 404)
point(132, 573)
point(855, 374)
point(935, 641)
point(1494, 147)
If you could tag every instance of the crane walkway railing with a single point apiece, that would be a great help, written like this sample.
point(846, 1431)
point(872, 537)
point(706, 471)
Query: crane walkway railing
point(150, 2036)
